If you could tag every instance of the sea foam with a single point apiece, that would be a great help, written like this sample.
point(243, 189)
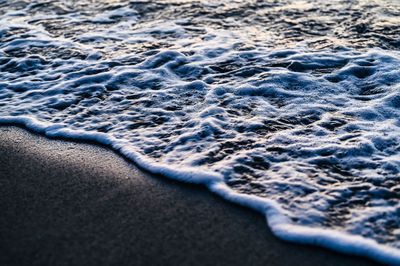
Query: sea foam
point(304, 129)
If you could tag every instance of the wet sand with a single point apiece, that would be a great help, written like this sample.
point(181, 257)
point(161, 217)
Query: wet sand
point(73, 203)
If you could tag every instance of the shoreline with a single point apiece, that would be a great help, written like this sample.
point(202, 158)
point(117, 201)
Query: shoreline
point(68, 202)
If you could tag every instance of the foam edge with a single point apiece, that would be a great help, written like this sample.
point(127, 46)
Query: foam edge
point(277, 221)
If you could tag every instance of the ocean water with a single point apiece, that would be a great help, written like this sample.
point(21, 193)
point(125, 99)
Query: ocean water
point(288, 107)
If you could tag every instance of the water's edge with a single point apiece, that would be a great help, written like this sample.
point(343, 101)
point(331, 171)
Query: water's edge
point(276, 220)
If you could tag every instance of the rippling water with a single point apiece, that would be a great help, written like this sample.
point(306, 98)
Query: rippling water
point(294, 104)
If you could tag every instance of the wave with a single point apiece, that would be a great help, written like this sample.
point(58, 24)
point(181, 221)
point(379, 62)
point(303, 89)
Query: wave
point(306, 134)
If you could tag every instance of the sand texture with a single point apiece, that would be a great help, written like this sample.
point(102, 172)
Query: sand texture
point(69, 203)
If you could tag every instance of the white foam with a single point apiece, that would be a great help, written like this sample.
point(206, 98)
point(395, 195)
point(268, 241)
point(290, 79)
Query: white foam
point(308, 137)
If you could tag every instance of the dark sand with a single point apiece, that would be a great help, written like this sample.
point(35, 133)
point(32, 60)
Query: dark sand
point(69, 203)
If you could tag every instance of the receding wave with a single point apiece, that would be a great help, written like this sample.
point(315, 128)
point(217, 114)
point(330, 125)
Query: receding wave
point(289, 108)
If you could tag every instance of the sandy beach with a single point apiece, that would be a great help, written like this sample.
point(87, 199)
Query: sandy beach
point(70, 203)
